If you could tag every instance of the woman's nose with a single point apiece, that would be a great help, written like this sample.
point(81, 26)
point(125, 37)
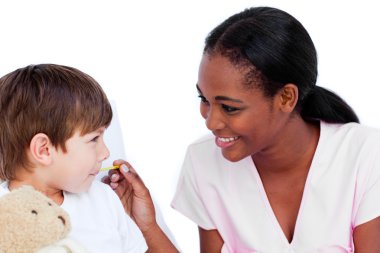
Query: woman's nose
point(214, 120)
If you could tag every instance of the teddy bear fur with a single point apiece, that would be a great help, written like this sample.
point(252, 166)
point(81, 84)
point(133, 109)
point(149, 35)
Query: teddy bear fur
point(30, 221)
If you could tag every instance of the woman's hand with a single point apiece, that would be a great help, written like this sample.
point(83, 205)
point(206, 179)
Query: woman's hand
point(133, 194)
point(138, 204)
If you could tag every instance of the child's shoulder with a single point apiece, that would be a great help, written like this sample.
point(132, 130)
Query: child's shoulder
point(99, 186)
point(98, 192)
point(100, 189)
point(3, 188)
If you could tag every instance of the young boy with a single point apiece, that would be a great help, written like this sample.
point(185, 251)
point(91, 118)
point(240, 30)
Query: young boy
point(52, 121)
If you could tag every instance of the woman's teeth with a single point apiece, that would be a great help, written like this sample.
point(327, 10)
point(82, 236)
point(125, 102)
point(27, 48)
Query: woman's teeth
point(228, 139)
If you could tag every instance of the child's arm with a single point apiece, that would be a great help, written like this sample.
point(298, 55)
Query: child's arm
point(138, 204)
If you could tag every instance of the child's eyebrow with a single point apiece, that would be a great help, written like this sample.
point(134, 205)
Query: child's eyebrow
point(100, 130)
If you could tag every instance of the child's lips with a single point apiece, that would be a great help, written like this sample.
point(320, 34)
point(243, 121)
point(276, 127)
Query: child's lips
point(94, 173)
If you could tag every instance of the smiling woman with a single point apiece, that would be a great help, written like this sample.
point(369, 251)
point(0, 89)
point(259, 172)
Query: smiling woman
point(267, 180)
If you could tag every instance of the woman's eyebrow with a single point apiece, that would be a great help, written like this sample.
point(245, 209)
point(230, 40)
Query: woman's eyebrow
point(228, 99)
point(224, 98)
point(199, 90)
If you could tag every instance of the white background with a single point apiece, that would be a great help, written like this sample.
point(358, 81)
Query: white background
point(145, 54)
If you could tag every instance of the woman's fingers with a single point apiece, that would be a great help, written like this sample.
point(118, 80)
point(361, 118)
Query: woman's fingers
point(106, 179)
point(133, 178)
point(125, 177)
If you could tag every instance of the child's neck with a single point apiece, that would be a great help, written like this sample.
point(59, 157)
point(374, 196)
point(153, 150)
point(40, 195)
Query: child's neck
point(55, 194)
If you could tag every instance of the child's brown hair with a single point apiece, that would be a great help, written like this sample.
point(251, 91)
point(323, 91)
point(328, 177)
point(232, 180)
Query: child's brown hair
point(52, 99)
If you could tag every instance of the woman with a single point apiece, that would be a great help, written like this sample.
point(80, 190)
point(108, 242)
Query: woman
point(289, 169)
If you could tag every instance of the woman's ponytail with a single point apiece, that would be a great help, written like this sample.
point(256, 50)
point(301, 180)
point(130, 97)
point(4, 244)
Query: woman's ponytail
point(325, 105)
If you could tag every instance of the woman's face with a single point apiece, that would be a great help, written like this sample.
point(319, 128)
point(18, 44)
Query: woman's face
point(244, 122)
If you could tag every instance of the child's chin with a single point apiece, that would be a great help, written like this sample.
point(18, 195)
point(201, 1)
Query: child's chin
point(87, 185)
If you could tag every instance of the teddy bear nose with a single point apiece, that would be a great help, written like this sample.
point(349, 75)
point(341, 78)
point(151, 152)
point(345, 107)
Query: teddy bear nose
point(62, 219)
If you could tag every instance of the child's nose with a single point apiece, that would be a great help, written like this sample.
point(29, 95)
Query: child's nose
point(105, 153)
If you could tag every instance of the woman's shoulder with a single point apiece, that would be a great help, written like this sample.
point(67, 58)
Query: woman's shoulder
point(205, 150)
point(204, 140)
point(353, 129)
point(351, 134)
point(204, 143)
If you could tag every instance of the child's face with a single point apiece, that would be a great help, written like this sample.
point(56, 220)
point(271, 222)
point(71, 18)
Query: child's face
point(75, 170)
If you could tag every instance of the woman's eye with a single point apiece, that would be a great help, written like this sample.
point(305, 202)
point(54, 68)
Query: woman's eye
point(203, 99)
point(227, 108)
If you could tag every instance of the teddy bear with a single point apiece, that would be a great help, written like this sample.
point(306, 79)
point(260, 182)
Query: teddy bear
point(30, 222)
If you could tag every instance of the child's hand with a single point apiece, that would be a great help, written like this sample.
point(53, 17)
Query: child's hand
point(133, 194)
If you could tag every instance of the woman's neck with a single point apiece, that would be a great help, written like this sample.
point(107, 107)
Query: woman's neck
point(293, 152)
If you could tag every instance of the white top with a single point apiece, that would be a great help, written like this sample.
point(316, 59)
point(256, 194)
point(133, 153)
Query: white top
point(341, 192)
point(99, 222)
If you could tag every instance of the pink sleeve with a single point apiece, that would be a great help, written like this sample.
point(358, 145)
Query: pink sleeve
point(187, 199)
point(367, 199)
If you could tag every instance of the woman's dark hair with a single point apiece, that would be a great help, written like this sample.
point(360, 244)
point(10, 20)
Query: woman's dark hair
point(278, 50)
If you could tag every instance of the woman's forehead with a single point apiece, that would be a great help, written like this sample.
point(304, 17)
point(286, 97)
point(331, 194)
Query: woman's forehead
point(218, 72)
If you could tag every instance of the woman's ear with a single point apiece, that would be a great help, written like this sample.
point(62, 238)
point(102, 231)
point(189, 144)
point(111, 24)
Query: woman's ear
point(288, 97)
point(40, 149)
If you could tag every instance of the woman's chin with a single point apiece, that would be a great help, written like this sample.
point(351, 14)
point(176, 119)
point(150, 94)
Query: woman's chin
point(232, 157)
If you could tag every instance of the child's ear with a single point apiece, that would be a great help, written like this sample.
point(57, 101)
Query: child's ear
point(288, 97)
point(40, 149)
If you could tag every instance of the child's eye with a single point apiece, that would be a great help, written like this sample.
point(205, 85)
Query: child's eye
point(203, 99)
point(95, 139)
point(229, 109)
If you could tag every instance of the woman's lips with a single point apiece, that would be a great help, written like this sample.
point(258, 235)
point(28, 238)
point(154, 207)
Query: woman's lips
point(225, 142)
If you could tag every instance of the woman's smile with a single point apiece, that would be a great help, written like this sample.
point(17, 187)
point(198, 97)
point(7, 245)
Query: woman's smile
point(225, 142)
